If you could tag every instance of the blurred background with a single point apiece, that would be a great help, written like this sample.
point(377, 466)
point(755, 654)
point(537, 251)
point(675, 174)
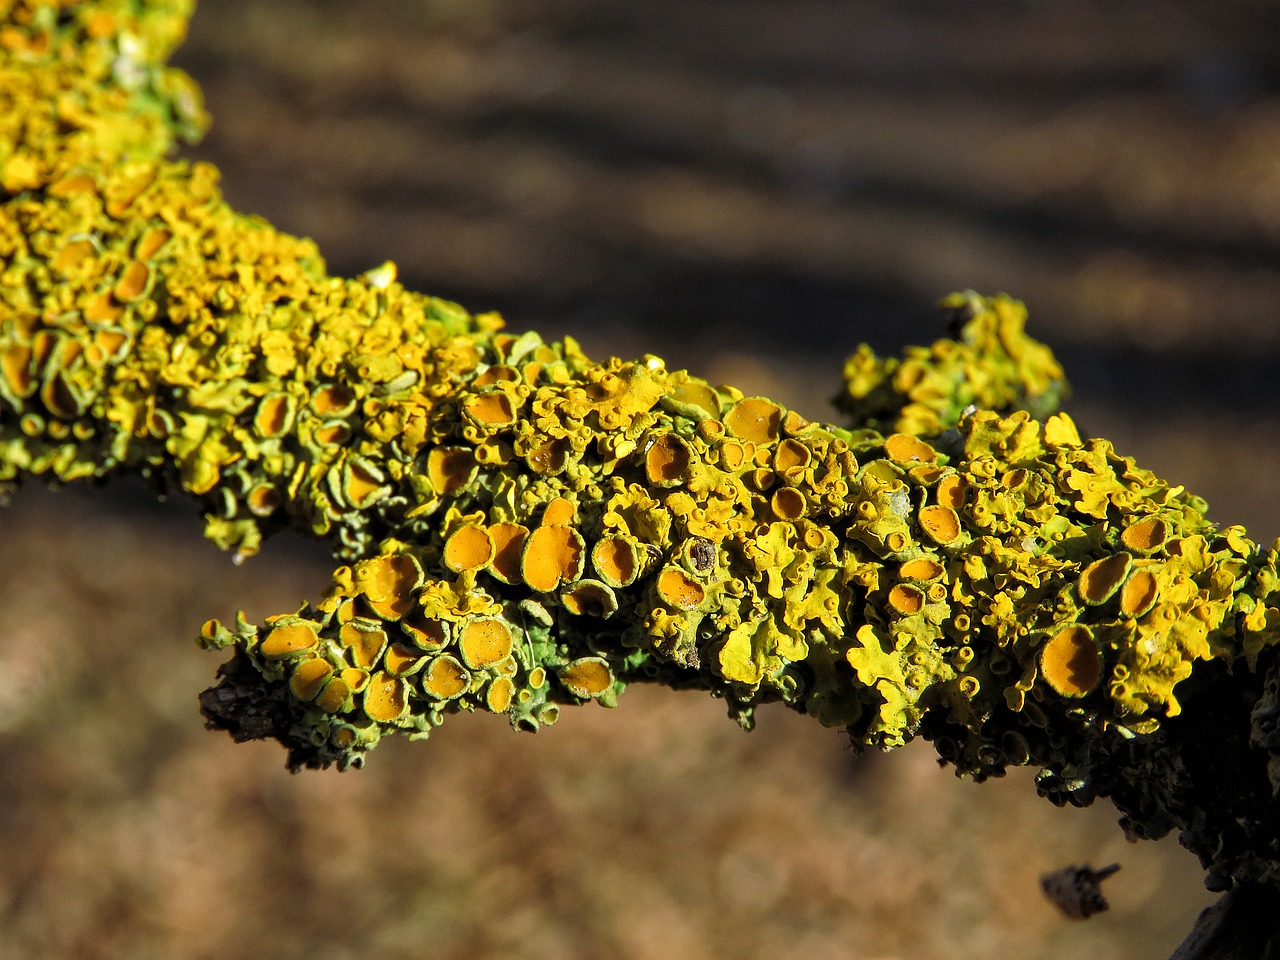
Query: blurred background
point(747, 189)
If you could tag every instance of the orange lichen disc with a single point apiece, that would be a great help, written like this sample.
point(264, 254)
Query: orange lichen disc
point(589, 598)
point(72, 255)
point(676, 588)
point(791, 457)
point(450, 469)
point(15, 367)
point(385, 698)
point(788, 503)
point(309, 677)
point(289, 640)
point(1101, 579)
point(491, 409)
point(940, 523)
point(906, 599)
point(499, 694)
point(1138, 595)
point(334, 433)
point(401, 659)
point(445, 678)
point(587, 677)
point(615, 561)
point(508, 546)
point(552, 555)
point(468, 548)
point(335, 696)
point(332, 400)
point(366, 643)
point(133, 283)
point(904, 448)
point(483, 641)
point(428, 634)
point(666, 462)
point(922, 568)
point(275, 414)
point(356, 678)
point(548, 458)
point(698, 394)
point(1071, 663)
point(151, 243)
point(559, 511)
point(1145, 536)
point(262, 499)
point(498, 373)
point(388, 583)
point(361, 482)
point(951, 491)
point(755, 419)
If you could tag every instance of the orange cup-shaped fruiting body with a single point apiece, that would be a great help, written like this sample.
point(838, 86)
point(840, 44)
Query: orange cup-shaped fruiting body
point(590, 598)
point(309, 677)
point(1145, 536)
point(666, 462)
point(940, 523)
point(922, 568)
point(484, 641)
point(1071, 663)
point(1139, 593)
point(508, 546)
point(677, 588)
point(552, 556)
point(470, 547)
point(904, 448)
point(386, 698)
point(906, 599)
point(587, 677)
point(289, 640)
point(616, 561)
point(1100, 580)
point(445, 678)
point(755, 419)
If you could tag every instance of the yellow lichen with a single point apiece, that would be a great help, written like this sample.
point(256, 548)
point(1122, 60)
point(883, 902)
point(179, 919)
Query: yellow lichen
point(1100, 579)
point(289, 640)
point(587, 677)
point(940, 523)
point(468, 548)
point(898, 578)
point(552, 555)
point(615, 560)
point(445, 678)
point(1071, 663)
point(308, 677)
point(484, 641)
point(754, 419)
point(678, 589)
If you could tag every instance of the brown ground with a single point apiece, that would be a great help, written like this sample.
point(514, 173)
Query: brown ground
point(747, 188)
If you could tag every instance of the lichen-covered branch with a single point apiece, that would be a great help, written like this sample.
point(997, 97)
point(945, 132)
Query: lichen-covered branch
point(522, 528)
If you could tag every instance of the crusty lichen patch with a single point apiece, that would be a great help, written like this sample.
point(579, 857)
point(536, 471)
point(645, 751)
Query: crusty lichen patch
point(523, 528)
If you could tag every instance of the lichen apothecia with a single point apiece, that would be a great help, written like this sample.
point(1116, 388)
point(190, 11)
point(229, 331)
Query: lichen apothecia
point(522, 528)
